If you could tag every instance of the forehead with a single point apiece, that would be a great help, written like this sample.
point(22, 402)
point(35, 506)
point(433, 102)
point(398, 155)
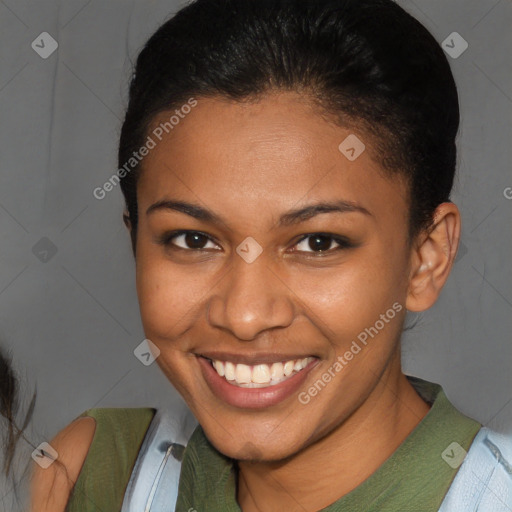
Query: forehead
point(276, 152)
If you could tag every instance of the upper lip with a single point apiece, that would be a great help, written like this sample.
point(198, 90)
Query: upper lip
point(251, 359)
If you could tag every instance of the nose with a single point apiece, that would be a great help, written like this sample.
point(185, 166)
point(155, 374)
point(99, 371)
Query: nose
point(250, 300)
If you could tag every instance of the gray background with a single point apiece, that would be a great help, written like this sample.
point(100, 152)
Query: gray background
point(72, 321)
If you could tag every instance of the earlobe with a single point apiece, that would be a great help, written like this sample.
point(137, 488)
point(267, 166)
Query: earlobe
point(432, 258)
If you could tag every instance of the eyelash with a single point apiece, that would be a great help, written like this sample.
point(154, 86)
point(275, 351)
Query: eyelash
point(343, 243)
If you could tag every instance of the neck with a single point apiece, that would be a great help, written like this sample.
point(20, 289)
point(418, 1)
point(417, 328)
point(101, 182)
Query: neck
point(330, 468)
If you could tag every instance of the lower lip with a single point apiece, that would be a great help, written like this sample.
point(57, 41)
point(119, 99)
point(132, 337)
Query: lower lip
point(252, 398)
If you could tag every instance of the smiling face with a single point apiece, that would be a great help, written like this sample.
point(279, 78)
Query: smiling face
point(209, 298)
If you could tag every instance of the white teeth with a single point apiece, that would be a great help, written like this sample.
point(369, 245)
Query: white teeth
point(259, 375)
point(219, 367)
point(243, 374)
point(229, 370)
point(276, 371)
point(288, 367)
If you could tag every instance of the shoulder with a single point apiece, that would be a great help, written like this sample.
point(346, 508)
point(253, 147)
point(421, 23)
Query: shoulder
point(93, 432)
point(51, 487)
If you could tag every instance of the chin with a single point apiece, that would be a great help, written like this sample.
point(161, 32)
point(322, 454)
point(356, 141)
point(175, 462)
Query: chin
point(253, 448)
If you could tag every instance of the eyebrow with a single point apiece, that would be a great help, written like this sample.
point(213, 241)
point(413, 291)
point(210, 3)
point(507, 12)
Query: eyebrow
point(291, 217)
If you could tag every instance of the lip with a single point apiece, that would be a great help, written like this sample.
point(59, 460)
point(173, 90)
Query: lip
point(252, 398)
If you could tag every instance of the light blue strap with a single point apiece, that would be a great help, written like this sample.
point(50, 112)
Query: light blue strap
point(153, 485)
point(483, 482)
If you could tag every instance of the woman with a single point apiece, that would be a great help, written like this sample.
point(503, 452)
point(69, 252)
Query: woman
point(287, 168)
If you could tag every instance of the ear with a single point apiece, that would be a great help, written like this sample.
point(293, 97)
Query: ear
point(432, 258)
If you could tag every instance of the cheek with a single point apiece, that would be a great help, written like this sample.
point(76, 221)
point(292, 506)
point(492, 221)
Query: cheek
point(168, 294)
point(352, 296)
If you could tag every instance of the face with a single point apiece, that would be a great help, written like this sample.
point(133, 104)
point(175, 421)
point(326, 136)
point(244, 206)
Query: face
point(251, 294)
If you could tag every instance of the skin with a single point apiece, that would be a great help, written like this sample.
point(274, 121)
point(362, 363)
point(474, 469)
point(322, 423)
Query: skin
point(249, 163)
point(50, 487)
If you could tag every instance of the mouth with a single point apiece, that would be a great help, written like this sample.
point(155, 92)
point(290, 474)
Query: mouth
point(259, 375)
point(254, 383)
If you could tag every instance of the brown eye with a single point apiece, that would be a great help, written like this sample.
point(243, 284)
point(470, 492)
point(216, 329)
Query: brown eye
point(195, 240)
point(321, 243)
point(187, 240)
